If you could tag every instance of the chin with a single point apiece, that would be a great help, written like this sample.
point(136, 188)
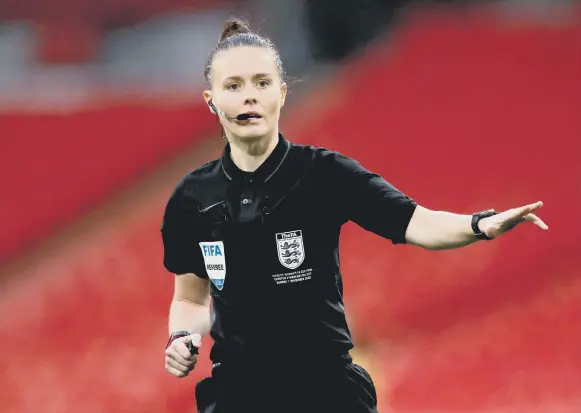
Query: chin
point(251, 133)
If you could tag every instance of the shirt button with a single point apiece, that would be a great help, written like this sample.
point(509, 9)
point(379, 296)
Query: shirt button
point(246, 201)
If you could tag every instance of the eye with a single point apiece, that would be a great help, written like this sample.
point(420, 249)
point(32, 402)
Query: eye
point(233, 86)
point(263, 83)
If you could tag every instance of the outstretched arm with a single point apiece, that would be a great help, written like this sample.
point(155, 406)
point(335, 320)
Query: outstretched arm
point(440, 230)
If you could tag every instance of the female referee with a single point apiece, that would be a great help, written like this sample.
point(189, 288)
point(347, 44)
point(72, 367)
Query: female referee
point(258, 231)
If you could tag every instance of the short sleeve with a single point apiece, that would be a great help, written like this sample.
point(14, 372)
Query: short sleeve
point(181, 251)
point(370, 201)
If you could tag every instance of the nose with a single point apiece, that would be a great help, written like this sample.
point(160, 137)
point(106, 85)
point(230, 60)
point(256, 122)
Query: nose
point(250, 96)
point(250, 100)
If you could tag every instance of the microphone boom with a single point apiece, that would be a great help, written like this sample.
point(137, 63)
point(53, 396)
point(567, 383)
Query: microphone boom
point(243, 116)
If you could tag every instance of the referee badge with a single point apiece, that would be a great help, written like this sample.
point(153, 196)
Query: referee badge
point(215, 260)
point(291, 250)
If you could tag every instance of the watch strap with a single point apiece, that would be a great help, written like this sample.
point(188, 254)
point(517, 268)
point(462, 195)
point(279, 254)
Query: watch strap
point(476, 217)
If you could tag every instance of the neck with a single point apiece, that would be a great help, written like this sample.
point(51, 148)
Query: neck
point(249, 155)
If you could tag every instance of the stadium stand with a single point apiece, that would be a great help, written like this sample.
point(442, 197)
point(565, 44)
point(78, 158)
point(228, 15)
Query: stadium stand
point(488, 329)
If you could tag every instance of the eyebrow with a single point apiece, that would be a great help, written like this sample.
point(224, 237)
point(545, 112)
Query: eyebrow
point(257, 75)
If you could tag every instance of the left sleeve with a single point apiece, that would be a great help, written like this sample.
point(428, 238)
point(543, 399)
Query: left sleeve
point(181, 252)
point(370, 201)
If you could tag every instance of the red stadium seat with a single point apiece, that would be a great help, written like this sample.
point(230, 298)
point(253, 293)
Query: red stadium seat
point(90, 155)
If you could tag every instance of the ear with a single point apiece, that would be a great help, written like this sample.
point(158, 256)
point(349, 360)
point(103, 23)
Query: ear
point(283, 91)
point(208, 99)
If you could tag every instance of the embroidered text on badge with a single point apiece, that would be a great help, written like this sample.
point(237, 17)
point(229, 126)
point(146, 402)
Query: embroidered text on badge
point(215, 260)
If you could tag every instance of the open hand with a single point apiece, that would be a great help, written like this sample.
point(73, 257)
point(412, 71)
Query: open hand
point(505, 221)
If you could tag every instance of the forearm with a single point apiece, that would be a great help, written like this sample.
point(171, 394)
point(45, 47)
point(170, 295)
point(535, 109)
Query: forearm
point(451, 231)
point(440, 230)
point(189, 316)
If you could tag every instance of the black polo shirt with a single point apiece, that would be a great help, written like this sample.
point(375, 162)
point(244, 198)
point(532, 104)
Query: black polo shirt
point(269, 241)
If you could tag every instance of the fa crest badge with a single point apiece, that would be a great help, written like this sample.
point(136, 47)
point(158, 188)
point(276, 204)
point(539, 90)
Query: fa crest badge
point(291, 249)
point(215, 260)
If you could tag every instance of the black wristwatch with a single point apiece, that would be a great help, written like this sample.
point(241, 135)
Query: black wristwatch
point(476, 217)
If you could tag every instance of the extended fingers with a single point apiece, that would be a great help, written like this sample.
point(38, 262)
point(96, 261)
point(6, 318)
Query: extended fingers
point(536, 220)
point(527, 209)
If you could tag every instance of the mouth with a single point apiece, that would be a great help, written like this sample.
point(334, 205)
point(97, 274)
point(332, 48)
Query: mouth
point(249, 117)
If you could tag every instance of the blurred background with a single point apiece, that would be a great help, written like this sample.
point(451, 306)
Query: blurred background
point(463, 105)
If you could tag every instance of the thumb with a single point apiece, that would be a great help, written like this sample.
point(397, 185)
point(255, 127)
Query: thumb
point(196, 339)
point(193, 342)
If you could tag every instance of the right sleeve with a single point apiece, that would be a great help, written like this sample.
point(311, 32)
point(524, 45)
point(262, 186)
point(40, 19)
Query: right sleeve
point(181, 251)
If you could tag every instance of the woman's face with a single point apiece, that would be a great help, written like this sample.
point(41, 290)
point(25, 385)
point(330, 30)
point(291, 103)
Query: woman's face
point(246, 80)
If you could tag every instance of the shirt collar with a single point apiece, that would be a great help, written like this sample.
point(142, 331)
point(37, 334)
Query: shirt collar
point(265, 171)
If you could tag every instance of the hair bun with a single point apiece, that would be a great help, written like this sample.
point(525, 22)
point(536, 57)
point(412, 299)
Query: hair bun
point(232, 27)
